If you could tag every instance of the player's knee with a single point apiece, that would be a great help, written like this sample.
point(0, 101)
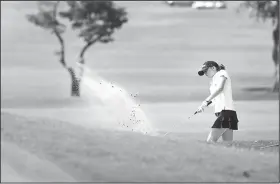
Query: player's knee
point(211, 139)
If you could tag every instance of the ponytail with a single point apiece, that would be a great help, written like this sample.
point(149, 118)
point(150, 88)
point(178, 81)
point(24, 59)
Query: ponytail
point(222, 67)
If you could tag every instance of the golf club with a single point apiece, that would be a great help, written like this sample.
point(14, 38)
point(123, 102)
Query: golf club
point(197, 111)
point(191, 116)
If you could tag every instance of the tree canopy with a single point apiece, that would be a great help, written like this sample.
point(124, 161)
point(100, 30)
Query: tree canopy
point(95, 21)
point(262, 9)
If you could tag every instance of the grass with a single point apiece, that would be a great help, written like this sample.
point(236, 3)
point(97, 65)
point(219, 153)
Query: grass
point(100, 155)
point(164, 68)
point(263, 145)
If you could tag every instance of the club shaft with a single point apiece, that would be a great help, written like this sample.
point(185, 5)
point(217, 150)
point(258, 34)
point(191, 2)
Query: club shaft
point(192, 115)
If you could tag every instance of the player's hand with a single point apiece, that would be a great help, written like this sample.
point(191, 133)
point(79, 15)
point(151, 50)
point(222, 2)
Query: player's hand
point(200, 109)
point(204, 104)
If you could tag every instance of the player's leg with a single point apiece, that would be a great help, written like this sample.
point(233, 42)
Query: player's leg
point(215, 134)
point(228, 135)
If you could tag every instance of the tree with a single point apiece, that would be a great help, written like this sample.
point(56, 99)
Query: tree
point(267, 10)
point(95, 21)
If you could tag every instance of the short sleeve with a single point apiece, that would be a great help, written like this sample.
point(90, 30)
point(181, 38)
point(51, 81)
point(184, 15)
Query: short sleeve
point(223, 73)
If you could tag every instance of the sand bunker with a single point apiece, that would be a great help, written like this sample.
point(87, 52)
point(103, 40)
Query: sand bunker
point(20, 166)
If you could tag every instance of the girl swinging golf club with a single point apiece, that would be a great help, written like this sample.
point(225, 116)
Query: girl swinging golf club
point(221, 96)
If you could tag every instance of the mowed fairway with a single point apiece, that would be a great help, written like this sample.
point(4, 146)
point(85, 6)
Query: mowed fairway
point(46, 133)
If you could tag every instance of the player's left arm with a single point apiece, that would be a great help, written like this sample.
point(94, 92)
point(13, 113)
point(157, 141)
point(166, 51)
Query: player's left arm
point(219, 88)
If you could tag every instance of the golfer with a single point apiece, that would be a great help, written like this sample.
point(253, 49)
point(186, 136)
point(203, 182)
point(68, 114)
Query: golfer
point(221, 96)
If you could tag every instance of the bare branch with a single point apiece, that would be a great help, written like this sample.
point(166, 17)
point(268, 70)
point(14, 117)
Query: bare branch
point(59, 37)
point(81, 62)
point(90, 43)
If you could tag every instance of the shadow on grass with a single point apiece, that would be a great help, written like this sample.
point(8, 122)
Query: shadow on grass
point(258, 89)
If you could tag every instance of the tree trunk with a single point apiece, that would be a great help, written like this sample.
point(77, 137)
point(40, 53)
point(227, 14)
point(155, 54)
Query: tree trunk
point(275, 56)
point(75, 85)
point(276, 82)
point(75, 89)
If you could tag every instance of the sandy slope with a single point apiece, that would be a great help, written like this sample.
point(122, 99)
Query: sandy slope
point(14, 160)
point(256, 121)
point(102, 155)
point(8, 174)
